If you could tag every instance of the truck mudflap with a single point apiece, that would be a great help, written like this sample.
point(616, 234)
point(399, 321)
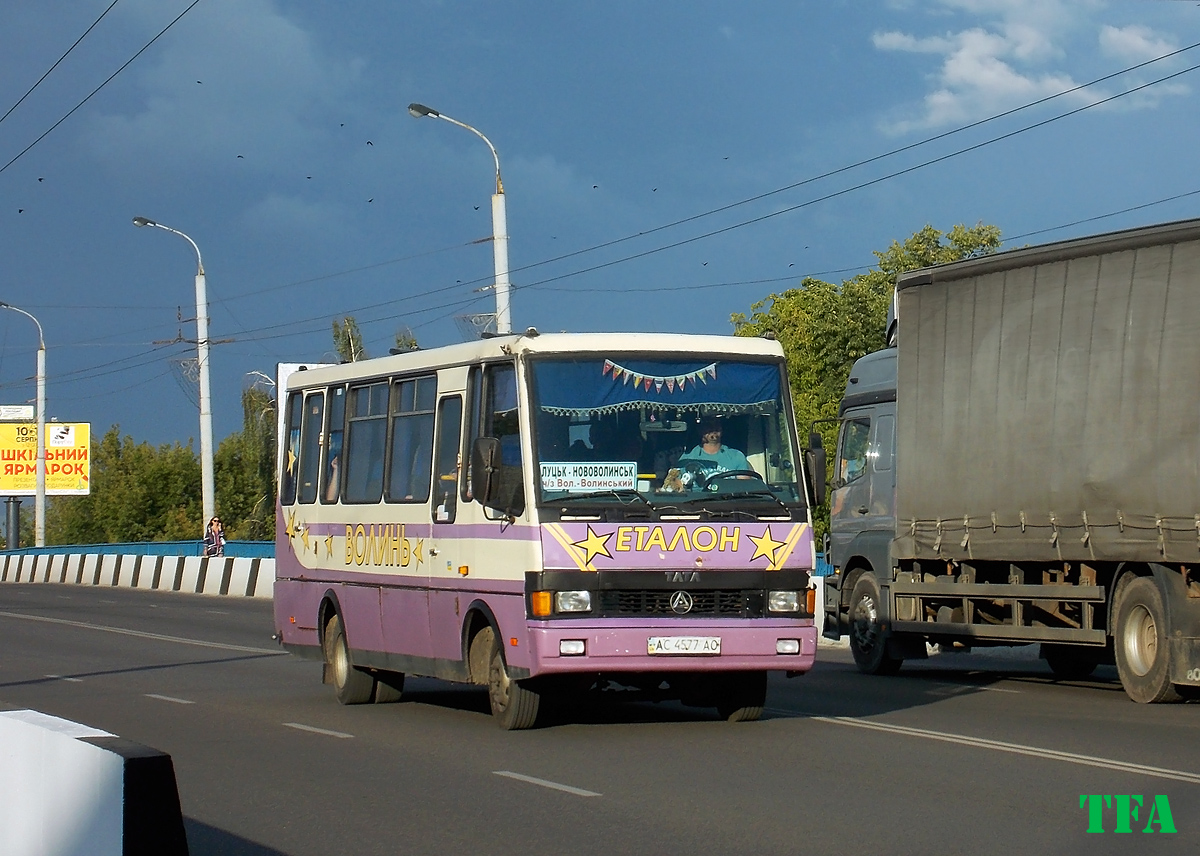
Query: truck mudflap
point(1185, 660)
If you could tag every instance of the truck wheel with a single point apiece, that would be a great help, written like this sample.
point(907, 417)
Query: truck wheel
point(1070, 662)
point(868, 639)
point(514, 704)
point(1143, 655)
point(351, 685)
point(742, 696)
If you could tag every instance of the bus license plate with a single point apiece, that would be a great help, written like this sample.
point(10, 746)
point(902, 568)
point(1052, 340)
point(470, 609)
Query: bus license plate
point(683, 645)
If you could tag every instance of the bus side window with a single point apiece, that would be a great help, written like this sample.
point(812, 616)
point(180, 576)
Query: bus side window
point(310, 445)
point(291, 461)
point(449, 427)
point(366, 439)
point(412, 439)
point(331, 479)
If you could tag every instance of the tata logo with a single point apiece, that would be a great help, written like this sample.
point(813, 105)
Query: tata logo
point(682, 576)
point(1128, 810)
point(681, 603)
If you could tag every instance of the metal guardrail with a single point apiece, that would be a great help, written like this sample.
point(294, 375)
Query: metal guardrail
point(234, 549)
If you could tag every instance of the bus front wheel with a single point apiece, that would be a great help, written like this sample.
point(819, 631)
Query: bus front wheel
point(351, 685)
point(514, 704)
point(742, 696)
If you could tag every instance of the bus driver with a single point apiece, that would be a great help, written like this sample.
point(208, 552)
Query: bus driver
point(713, 456)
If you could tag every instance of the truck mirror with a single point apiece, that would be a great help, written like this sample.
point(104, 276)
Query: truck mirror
point(815, 441)
point(485, 469)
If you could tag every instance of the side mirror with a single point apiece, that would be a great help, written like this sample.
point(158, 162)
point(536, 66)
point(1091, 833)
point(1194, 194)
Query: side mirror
point(814, 460)
point(485, 469)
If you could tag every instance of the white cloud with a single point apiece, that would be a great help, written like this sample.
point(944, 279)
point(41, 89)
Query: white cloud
point(1013, 54)
point(1133, 44)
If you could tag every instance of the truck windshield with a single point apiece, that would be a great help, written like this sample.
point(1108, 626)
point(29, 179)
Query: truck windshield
point(662, 432)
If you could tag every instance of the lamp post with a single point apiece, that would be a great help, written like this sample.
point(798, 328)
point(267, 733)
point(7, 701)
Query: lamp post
point(39, 507)
point(206, 437)
point(499, 222)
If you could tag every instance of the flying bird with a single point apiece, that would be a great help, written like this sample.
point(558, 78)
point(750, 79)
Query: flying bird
point(476, 207)
point(20, 210)
point(41, 179)
point(372, 199)
point(594, 186)
point(243, 157)
point(369, 143)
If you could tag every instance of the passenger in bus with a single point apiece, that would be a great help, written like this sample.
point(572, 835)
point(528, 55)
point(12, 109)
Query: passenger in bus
point(712, 454)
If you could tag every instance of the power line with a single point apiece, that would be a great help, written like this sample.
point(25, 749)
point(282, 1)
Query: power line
point(59, 60)
point(107, 80)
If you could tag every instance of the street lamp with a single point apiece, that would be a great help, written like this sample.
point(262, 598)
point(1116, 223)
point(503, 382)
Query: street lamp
point(206, 436)
point(499, 222)
point(39, 508)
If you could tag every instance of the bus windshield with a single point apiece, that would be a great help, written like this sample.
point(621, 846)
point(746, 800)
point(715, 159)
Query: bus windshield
point(662, 432)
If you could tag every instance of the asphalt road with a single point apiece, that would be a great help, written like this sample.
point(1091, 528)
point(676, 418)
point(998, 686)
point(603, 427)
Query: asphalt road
point(957, 754)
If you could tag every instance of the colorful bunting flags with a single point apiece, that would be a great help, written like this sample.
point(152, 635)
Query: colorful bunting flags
point(646, 382)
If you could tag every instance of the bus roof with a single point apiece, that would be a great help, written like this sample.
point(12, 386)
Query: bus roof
point(544, 343)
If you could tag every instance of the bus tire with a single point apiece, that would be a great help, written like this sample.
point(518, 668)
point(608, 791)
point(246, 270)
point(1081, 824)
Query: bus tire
point(350, 684)
point(742, 696)
point(1071, 662)
point(868, 640)
point(514, 704)
point(1141, 647)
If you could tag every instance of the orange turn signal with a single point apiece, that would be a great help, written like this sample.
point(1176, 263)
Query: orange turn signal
point(540, 601)
point(811, 601)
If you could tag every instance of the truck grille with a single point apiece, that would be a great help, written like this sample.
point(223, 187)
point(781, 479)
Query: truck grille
point(713, 602)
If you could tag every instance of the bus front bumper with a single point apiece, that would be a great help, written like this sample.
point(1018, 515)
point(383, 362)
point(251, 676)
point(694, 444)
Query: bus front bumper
point(616, 645)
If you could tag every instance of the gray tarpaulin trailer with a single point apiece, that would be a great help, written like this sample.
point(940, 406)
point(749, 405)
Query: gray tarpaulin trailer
point(1047, 463)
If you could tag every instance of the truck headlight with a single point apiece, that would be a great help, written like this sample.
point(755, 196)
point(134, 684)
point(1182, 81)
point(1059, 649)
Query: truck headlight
point(783, 601)
point(573, 601)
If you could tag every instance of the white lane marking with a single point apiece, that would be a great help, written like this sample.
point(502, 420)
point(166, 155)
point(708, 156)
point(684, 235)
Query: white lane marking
point(169, 698)
point(579, 792)
point(314, 730)
point(142, 635)
point(61, 678)
point(1016, 749)
point(216, 612)
point(964, 689)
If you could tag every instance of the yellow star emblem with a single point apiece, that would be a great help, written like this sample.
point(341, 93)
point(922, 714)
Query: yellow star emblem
point(765, 545)
point(594, 545)
point(290, 528)
point(328, 545)
point(418, 551)
point(291, 464)
point(304, 536)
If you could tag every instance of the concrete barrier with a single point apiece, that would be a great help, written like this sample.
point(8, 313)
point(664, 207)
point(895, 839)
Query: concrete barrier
point(72, 790)
point(227, 575)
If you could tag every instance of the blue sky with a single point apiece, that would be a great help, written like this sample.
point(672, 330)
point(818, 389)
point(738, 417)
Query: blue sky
point(276, 135)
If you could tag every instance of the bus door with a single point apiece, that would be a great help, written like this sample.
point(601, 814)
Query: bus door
point(451, 551)
point(404, 604)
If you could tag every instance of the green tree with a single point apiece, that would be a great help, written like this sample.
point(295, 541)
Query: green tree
point(824, 327)
point(406, 340)
point(348, 341)
point(138, 493)
point(244, 470)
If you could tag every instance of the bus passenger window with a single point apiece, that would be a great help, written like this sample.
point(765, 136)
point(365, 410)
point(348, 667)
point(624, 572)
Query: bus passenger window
point(310, 446)
point(449, 427)
point(366, 436)
point(412, 439)
point(331, 480)
point(289, 466)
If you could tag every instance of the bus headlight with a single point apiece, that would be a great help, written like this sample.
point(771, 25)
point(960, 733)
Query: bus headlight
point(573, 601)
point(783, 601)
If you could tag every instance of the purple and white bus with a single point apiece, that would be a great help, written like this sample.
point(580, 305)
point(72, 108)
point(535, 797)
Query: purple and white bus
point(536, 514)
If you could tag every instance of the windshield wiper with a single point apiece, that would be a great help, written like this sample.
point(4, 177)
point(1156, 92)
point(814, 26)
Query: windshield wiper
point(717, 497)
point(622, 495)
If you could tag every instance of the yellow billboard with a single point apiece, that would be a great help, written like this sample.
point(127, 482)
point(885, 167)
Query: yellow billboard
point(68, 458)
